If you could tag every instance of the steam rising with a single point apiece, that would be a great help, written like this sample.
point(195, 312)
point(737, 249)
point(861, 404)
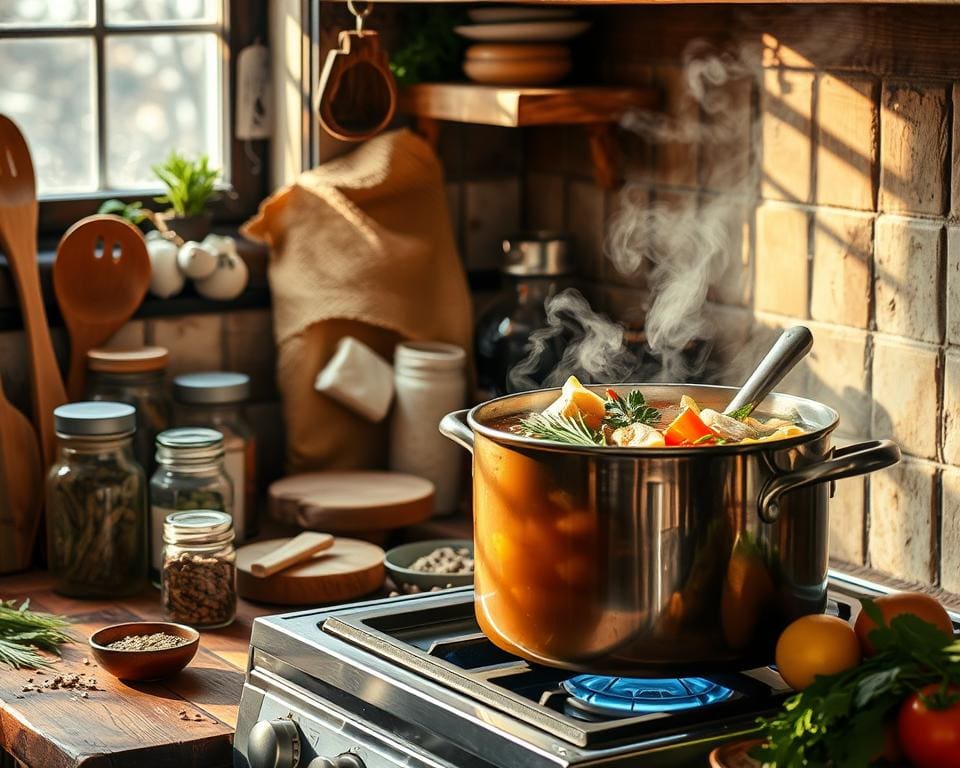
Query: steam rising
point(682, 244)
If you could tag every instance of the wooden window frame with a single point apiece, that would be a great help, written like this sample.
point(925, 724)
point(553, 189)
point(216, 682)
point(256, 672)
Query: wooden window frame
point(245, 23)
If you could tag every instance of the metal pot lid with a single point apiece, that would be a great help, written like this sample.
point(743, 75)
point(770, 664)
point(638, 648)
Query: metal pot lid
point(540, 253)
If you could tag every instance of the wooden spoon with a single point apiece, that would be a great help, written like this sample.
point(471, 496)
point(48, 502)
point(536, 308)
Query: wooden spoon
point(21, 488)
point(18, 235)
point(101, 275)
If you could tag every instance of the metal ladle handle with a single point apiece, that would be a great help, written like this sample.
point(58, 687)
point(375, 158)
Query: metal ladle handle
point(790, 348)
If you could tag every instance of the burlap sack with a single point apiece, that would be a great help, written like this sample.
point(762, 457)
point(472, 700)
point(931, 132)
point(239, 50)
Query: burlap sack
point(360, 246)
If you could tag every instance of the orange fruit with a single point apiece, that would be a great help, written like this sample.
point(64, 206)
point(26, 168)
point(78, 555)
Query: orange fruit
point(816, 645)
point(920, 605)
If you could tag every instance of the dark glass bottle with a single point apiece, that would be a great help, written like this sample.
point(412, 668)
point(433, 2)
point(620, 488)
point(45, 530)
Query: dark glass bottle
point(536, 266)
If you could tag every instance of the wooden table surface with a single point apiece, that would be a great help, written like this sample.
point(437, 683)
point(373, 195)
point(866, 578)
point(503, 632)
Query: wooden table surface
point(137, 724)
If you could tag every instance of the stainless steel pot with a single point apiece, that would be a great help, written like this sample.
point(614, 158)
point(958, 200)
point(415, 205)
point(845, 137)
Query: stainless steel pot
point(651, 560)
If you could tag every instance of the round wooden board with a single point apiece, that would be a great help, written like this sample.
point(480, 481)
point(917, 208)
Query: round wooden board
point(352, 502)
point(347, 570)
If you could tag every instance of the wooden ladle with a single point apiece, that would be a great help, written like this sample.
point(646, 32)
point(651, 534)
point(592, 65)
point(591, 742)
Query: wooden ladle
point(101, 275)
point(21, 488)
point(18, 235)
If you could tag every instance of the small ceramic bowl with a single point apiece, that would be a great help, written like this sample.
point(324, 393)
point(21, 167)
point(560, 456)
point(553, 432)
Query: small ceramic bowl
point(143, 665)
point(399, 559)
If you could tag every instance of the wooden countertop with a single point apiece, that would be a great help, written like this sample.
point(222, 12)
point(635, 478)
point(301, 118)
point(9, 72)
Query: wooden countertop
point(136, 724)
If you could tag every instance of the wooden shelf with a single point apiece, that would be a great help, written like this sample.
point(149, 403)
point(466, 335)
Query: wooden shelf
point(597, 109)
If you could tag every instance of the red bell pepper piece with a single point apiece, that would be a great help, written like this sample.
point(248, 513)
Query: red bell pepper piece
point(688, 428)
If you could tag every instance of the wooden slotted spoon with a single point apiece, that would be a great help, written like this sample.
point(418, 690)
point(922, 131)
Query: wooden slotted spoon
point(18, 235)
point(100, 277)
point(21, 488)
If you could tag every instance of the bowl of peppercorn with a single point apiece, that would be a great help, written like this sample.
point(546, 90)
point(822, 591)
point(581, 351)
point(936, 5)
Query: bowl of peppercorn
point(144, 650)
point(430, 565)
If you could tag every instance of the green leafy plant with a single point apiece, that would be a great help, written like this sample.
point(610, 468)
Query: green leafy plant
point(839, 719)
point(190, 184)
point(24, 632)
point(631, 410)
point(431, 50)
point(132, 212)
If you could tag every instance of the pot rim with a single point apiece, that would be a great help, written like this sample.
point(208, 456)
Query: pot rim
point(520, 441)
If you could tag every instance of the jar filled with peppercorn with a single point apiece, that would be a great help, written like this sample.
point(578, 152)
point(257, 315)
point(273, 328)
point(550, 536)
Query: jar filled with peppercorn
point(96, 503)
point(199, 574)
point(190, 475)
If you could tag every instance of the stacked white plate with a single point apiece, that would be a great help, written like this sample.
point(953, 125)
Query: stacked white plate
point(520, 45)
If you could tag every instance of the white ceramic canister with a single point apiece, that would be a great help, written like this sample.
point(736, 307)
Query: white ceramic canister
point(430, 382)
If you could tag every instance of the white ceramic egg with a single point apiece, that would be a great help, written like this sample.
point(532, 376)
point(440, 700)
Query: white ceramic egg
point(166, 279)
point(197, 260)
point(220, 244)
point(228, 279)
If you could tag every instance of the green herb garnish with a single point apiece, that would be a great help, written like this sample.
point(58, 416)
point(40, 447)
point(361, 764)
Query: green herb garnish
point(23, 632)
point(632, 410)
point(839, 719)
point(742, 412)
point(560, 429)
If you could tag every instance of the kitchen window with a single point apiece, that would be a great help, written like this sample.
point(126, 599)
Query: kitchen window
point(103, 89)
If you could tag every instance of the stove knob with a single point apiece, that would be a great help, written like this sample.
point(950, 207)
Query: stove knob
point(274, 744)
point(346, 760)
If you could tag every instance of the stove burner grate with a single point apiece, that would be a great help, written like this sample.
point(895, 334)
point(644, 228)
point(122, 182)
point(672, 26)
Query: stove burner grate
point(630, 696)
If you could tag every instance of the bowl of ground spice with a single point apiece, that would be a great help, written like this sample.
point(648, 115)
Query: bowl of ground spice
point(144, 650)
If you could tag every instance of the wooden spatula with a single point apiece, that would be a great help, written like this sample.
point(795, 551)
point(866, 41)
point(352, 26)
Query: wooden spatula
point(296, 550)
point(100, 277)
point(18, 236)
point(21, 488)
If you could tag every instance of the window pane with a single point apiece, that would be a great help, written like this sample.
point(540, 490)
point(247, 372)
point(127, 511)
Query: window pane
point(163, 93)
point(44, 13)
point(165, 11)
point(47, 88)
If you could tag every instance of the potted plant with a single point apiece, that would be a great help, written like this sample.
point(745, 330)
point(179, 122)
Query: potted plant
point(190, 184)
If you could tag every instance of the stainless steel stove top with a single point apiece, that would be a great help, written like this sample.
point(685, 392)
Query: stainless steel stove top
point(412, 682)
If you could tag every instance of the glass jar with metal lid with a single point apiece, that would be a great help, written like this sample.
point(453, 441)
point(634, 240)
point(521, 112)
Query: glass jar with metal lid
point(190, 475)
point(134, 376)
point(96, 503)
point(215, 400)
point(199, 581)
point(535, 266)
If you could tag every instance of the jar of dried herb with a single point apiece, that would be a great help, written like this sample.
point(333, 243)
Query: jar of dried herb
point(134, 376)
point(199, 581)
point(190, 475)
point(96, 503)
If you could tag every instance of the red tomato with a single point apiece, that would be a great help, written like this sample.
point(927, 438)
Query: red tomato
point(930, 738)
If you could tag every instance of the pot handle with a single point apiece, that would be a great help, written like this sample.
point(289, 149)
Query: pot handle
point(454, 425)
point(852, 460)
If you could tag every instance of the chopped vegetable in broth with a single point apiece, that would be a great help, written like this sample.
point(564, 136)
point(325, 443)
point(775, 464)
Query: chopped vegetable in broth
point(582, 417)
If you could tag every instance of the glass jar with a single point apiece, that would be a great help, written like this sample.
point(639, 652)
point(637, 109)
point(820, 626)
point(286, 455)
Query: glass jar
point(190, 475)
point(134, 376)
point(535, 267)
point(199, 581)
point(215, 400)
point(96, 503)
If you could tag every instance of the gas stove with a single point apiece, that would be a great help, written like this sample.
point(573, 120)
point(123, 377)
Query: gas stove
point(411, 681)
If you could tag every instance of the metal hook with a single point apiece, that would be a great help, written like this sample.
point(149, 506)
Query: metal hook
point(360, 15)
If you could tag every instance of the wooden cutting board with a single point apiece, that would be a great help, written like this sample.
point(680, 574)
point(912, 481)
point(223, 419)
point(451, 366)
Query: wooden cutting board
point(357, 502)
point(347, 570)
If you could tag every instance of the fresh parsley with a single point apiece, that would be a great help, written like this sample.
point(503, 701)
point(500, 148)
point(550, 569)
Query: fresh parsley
point(622, 412)
point(839, 720)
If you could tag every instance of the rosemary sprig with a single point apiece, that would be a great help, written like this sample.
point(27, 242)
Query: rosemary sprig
point(560, 429)
point(632, 410)
point(23, 632)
